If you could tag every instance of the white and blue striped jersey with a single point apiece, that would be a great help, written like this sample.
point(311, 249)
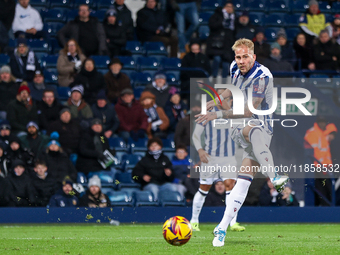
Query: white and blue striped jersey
point(260, 79)
point(218, 142)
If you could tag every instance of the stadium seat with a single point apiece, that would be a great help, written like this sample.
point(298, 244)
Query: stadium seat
point(145, 198)
point(104, 4)
point(169, 154)
point(117, 143)
point(125, 180)
point(52, 15)
point(292, 33)
point(81, 178)
point(49, 61)
point(292, 20)
point(155, 48)
point(73, 157)
point(130, 191)
point(277, 6)
point(256, 19)
point(39, 3)
point(140, 145)
point(54, 45)
point(321, 80)
point(203, 32)
point(255, 5)
point(128, 73)
point(271, 33)
point(52, 28)
point(61, 3)
point(171, 199)
point(90, 3)
point(147, 63)
point(172, 79)
point(239, 5)
point(107, 178)
point(129, 161)
point(38, 46)
point(140, 79)
point(64, 93)
point(335, 7)
point(325, 7)
point(101, 61)
point(274, 19)
point(100, 14)
point(204, 18)
point(72, 14)
point(168, 145)
point(171, 63)
point(51, 78)
point(4, 59)
point(135, 47)
point(299, 6)
point(209, 5)
point(120, 198)
point(129, 63)
point(138, 91)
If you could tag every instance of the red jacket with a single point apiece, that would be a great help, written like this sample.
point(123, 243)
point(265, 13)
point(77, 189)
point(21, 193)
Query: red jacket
point(131, 118)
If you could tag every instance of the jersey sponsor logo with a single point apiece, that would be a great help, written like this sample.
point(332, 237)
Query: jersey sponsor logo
point(24, 16)
point(235, 209)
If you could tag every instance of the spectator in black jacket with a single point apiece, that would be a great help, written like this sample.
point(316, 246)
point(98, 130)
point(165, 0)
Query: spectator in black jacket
point(48, 109)
point(87, 31)
point(116, 34)
point(23, 61)
point(64, 197)
point(160, 89)
point(23, 190)
point(243, 27)
point(38, 86)
point(94, 197)
point(69, 131)
point(91, 147)
point(58, 162)
point(6, 192)
point(7, 12)
point(91, 79)
point(304, 53)
point(153, 25)
point(106, 113)
point(287, 50)
point(8, 89)
point(4, 163)
point(5, 133)
point(154, 171)
point(221, 38)
point(216, 196)
point(16, 151)
point(44, 183)
point(261, 47)
point(124, 17)
point(275, 63)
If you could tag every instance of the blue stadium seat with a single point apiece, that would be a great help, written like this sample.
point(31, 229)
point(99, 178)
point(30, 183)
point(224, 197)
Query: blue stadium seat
point(130, 160)
point(61, 3)
point(209, 5)
point(49, 61)
point(117, 143)
point(52, 15)
point(12, 43)
point(138, 91)
point(91, 3)
point(107, 178)
point(126, 181)
point(171, 63)
point(129, 63)
point(145, 198)
point(299, 6)
point(38, 46)
point(256, 5)
point(101, 61)
point(140, 79)
point(130, 191)
point(55, 47)
point(171, 199)
point(239, 5)
point(73, 156)
point(81, 178)
point(147, 63)
point(277, 6)
point(120, 198)
point(169, 154)
point(140, 145)
point(204, 17)
point(72, 14)
point(64, 93)
point(292, 20)
point(155, 48)
point(274, 19)
point(321, 81)
point(51, 77)
point(39, 3)
point(292, 33)
point(335, 7)
point(100, 14)
point(135, 47)
point(51, 28)
point(256, 19)
point(40, 55)
point(4, 59)
point(168, 145)
point(128, 73)
point(325, 7)
point(271, 33)
point(104, 4)
point(203, 32)
point(172, 79)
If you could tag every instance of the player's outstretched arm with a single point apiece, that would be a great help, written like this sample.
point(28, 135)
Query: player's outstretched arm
point(225, 95)
point(228, 114)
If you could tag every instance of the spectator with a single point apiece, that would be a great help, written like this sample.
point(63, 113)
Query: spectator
point(5, 133)
point(87, 31)
point(38, 86)
point(91, 79)
point(261, 48)
point(186, 11)
point(7, 12)
point(34, 141)
point(326, 53)
point(23, 62)
point(175, 109)
point(5, 192)
point(181, 167)
point(4, 169)
point(157, 119)
point(154, 171)
point(313, 22)
point(304, 53)
point(21, 110)
point(133, 121)
point(58, 162)
point(68, 129)
point(79, 108)
point(116, 34)
point(8, 89)
point(94, 197)
point(116, 81)
point(336, 28)
point(16, 151)
point(153, 25)
point(48, 109)
point(243, 27)
point(91, 148)
point(275, 63)
point(221, 38)
point(106, 113)
point(23, 190)
point(159, 88)
point(64, 197)
point(69, 63)
point(44, 183)
point(124, 17)
point(216, 195)
point(287, 50)
point(27, 21)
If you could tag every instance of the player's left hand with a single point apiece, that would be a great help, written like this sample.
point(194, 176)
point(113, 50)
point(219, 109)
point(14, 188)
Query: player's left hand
point(205, 118)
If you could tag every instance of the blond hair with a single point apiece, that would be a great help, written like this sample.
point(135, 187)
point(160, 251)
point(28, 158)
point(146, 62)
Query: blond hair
point(244, 42)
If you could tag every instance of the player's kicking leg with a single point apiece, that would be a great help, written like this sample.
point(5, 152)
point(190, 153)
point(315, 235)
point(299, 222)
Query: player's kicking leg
point(197, 205)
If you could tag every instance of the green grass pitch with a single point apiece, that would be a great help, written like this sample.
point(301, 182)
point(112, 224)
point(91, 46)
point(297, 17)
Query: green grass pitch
point(148, 239)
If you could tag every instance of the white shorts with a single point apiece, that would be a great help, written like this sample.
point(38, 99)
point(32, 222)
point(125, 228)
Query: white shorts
point(218, 168)
point(237, 136)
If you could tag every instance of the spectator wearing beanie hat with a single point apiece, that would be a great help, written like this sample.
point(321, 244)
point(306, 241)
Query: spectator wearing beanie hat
point(38, 86)
point(175, 108)
point(160, 88)
point(275, 63)
point(8, 89)
point(64, 197)
point(106, 113)
point(94, 197)
point(287, 50)
point(157, 119)
point(5, 133)
point(21, 110)
point(17, 151)
point(79, 108)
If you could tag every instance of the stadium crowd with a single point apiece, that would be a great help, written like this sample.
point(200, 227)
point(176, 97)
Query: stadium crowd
point(49, 142)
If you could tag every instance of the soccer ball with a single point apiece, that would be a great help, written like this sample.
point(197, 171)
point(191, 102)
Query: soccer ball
point(177, 230)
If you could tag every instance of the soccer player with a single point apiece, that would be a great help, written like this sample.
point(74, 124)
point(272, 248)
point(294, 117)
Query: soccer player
point(219, 150)
point(255, 138)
